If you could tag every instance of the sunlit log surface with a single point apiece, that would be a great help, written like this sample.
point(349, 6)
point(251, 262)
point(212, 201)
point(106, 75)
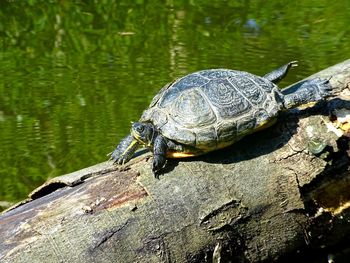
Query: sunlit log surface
point(281, 194)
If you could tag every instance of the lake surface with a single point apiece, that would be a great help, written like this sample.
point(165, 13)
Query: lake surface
point(74, 75)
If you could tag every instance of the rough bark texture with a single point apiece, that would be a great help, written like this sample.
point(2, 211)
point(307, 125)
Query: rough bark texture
point(282, 193)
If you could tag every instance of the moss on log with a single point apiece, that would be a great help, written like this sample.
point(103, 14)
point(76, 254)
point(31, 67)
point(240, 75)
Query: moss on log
point(278, 194)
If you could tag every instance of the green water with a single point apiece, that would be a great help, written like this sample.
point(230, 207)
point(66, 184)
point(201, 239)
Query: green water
point(73, 75)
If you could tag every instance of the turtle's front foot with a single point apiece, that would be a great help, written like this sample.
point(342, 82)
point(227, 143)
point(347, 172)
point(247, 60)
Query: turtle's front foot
point(159, 155)
point(125, 150)
point(158, 163)
point(118, 157)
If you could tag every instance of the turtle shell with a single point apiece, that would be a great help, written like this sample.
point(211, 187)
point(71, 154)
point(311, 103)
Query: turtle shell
point(211, 109)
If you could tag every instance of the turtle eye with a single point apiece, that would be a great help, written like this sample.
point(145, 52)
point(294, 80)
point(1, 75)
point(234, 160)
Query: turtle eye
point(140, 129)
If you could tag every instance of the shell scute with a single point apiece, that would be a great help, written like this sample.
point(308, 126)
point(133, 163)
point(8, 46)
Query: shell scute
point(225, 98)
point(218, 73)
point(266, 85)
point(246, 125)
point(206, 138)
point(190, 81)
point(249, 89)
point(226, 131)
point(192, 110)
point(169, 96)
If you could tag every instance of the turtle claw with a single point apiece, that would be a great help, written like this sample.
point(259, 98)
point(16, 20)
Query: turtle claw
point(158, 164)
point(156, 174)
point(293, 63)
point(125, 150)
point(117, 157)
point(322, 86)
point(119, 160)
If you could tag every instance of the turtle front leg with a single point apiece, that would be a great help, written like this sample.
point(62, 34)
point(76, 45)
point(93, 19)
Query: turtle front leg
point(278, 74)
point(160, 149)
point(310, 91)
point(125, 150)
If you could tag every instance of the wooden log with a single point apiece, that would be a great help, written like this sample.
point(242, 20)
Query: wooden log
point(277, 195)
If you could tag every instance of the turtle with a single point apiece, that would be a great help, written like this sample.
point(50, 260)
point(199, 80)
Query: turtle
point(211, 109)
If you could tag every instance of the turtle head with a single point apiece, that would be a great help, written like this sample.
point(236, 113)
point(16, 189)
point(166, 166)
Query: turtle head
point(145, 133)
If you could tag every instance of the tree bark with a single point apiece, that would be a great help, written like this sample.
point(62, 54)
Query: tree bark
point(278, 195)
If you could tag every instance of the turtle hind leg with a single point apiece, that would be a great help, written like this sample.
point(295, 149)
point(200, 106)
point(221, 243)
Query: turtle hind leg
point(278, 74)
point(310, 91)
